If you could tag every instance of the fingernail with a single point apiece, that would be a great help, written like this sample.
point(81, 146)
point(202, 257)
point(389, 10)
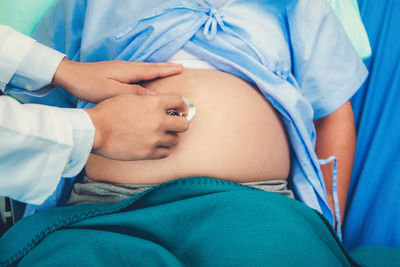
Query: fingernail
point(150, 92)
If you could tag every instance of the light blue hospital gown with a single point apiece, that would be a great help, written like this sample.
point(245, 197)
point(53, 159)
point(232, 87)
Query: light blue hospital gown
point(295, 52)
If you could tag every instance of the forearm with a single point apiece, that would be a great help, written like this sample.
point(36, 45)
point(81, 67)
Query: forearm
point(336, 137)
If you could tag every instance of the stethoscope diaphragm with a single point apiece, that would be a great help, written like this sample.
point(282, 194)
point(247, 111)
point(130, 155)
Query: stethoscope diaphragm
point(191, 112)
point(192, 108)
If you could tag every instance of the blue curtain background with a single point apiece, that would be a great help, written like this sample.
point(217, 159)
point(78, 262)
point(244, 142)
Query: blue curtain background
point(374, 198)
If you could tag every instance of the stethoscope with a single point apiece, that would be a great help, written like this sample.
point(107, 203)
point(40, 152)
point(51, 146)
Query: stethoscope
point(191, 112)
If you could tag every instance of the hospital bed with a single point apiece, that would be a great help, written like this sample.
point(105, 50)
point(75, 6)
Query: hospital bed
point(373, 208)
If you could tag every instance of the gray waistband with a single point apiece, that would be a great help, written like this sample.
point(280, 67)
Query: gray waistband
point(276, 186)
point(98, 192)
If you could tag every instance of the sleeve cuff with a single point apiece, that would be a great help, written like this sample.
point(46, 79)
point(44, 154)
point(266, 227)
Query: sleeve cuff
point(83, 137)
point(14, 46)
point(36, 143)
point(37, 69)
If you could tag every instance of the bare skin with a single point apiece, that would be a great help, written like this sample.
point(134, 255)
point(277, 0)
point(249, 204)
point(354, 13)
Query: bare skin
point(235, 135)
point(128, 115)
point(335, 133)
point(336, 136)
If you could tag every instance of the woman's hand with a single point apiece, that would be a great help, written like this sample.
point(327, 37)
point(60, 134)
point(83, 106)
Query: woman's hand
point(95, 82)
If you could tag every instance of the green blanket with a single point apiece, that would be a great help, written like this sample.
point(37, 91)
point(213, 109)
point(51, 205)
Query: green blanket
point(188, 222)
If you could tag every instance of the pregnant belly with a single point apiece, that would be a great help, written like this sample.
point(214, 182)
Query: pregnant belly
point(235, 135)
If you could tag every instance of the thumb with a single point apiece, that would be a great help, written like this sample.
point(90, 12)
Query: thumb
point(137, 89)
point(130, 88)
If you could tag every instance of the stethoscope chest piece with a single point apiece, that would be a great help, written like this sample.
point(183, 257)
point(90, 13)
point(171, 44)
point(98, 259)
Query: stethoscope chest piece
point(192, 108)
point(191, 112)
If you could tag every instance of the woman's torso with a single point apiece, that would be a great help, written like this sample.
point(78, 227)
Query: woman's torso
point(235, 135)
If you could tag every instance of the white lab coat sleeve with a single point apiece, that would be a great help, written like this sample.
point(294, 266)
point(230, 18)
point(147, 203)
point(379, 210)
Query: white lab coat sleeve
point(38, 145)
point(26, 64)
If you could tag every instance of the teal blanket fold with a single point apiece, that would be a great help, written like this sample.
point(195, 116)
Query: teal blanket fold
point(187, 222)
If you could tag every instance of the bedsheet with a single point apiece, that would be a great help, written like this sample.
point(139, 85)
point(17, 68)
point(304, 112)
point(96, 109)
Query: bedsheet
point(373, 207)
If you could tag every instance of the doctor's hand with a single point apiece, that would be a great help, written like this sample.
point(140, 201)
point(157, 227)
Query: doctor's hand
point(132, 127)
point(97, 81)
